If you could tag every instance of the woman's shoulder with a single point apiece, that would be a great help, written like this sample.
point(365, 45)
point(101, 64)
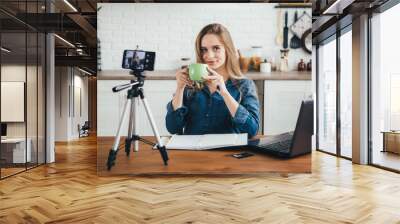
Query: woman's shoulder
point(245, 83)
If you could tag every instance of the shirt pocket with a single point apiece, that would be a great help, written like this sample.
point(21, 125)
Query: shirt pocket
point(198, 105)
point(220, 109)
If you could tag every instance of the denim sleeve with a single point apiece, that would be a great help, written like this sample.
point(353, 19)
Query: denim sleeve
point(247, 116)
point(175, 121)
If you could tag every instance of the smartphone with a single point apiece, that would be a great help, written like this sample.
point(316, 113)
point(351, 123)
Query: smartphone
point(138, 60)
point(242, 155)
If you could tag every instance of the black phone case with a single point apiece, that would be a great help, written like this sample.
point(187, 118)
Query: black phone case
point(242, 155)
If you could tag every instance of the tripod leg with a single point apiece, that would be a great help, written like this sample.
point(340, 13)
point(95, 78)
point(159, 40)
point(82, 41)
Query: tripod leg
point(134, 129)
point(130, 138)
point(160, 145)
point(121, 123)
point(113, 152)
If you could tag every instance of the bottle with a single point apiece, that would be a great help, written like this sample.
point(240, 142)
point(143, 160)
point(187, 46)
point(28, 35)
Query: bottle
point(301, 66)
point(309, 66)
point(273, 63)
point(284, 64)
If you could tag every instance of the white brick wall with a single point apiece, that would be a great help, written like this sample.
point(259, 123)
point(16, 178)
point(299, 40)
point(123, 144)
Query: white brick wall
point(171, 29)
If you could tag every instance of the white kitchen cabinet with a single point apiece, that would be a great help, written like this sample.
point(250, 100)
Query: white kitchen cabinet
point(281, 105)
point(282, 100)
point(110, 107)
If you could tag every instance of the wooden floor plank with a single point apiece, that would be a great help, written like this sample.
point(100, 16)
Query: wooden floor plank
point(69, 191)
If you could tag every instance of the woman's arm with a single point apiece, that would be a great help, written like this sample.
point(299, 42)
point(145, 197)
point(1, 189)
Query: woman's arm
point(175, 119)
point(177, 101)
point(230, 102)
point(247, 115)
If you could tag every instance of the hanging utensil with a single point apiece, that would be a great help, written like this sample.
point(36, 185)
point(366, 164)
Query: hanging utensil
point(279, 34)
point(295, 42)
point(285, 32)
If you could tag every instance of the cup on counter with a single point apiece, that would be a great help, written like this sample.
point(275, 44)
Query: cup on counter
point(265, 67)
point(197, 71)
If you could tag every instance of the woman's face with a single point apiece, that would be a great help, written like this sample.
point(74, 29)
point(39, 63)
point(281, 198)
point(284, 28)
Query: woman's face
point(212, 51)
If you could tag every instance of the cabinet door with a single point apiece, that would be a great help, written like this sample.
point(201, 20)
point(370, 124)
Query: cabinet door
point(282, 102)
point(158, 93)
point(110, 107)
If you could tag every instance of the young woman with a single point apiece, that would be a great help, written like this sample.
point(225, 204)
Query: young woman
point(226, 102)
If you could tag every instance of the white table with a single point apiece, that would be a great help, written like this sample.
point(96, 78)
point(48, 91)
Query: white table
point(18, 149)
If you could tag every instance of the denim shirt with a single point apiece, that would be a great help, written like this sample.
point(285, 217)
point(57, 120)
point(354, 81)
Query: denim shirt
point(206, 113)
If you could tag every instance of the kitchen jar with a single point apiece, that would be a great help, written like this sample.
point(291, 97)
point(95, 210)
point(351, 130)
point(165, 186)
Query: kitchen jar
point(265, 67)
point(256, 57)
point(244, 60)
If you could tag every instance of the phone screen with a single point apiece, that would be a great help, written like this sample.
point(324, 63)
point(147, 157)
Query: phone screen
point(138, 60)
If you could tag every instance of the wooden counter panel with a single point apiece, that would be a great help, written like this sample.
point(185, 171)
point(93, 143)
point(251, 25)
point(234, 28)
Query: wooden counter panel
point(148, 162)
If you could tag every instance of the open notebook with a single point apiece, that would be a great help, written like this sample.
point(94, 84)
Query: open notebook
point(204, 142)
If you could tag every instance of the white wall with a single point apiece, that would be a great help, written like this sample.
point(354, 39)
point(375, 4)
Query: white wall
point(68, 80)
point(61, 103)
point(33, 126)
point(15, 73)
point(171, 29)
point(80, 83)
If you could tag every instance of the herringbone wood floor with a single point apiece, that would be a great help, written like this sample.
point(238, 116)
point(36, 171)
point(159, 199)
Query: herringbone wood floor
point(69, 191)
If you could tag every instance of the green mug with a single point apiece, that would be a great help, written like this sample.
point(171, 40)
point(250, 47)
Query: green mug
point(197, 71)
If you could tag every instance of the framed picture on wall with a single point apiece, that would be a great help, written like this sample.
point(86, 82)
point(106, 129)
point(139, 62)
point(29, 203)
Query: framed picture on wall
point(12, 101)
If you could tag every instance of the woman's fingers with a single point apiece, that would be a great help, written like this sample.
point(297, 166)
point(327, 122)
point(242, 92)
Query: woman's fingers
point(182, 72)
point(210, 77)
point(186, 80)
point(189, 82)
point(211, 71)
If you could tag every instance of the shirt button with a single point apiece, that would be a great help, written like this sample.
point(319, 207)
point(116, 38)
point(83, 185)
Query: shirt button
point(206, 115)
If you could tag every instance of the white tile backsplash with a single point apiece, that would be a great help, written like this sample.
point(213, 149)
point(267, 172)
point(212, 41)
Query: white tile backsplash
point(171, 29)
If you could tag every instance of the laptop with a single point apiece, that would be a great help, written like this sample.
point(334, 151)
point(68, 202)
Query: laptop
point(289, 144)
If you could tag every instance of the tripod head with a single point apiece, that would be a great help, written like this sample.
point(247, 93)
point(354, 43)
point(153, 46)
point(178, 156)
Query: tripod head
point(138, 74)
point(139, 82)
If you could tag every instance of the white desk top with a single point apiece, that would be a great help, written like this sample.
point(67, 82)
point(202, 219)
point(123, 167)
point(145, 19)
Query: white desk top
point(13, 140)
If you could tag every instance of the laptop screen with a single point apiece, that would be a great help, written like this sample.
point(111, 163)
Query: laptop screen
point(304, 129)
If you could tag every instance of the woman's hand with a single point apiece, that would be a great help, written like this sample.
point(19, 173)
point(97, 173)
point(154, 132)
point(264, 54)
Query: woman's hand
point(215, 81)
point(182, 79)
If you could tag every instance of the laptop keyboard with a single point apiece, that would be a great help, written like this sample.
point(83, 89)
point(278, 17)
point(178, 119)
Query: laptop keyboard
point(281, 146)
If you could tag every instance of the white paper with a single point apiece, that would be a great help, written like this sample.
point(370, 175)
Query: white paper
point(208, 141)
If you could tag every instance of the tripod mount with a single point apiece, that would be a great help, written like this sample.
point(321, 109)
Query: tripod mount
point(134, 93)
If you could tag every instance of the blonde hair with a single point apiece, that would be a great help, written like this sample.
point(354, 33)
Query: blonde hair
point(231, 61)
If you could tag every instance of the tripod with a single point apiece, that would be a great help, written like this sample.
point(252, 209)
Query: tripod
point(134, 92)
